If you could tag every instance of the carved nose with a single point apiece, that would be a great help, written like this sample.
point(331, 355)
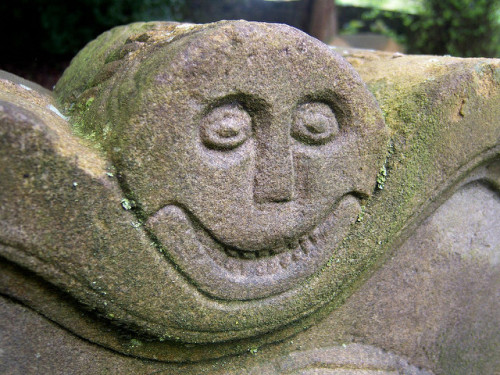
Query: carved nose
point(274, 177)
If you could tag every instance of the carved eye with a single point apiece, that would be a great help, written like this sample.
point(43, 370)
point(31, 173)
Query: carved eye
point(314, 123)
point(225, 127)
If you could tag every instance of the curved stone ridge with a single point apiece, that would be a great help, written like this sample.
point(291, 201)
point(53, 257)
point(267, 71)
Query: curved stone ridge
point(240, 275)
point(352, 359)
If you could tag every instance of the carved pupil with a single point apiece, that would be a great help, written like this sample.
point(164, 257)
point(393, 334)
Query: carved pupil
point(225, 127)
point(314, 123)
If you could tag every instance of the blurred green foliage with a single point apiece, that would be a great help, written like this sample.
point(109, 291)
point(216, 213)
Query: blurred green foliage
point(58, 29)
point(384, 22)
point(405, 6)
point(467, 28)
point(457, 27)
point(55, 30)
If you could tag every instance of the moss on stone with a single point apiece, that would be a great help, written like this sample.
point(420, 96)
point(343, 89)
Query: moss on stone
point(442, 115)
point(431, 149)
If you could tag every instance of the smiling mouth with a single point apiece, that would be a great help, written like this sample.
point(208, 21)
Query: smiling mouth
point(225, 272)
point(304, 244)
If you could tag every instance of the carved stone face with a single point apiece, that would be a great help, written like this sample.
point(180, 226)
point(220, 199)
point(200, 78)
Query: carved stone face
point(249, 162)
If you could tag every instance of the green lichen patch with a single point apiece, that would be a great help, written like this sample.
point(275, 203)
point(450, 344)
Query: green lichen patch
point(381, 177)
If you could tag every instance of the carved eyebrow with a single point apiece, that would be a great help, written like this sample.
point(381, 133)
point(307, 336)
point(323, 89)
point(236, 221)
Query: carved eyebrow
point(249, 102)
point(327, 96)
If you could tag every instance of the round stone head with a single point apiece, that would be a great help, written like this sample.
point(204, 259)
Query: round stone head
point(247, 147)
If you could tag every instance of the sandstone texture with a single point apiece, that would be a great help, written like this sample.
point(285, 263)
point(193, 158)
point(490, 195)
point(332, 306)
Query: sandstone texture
point(238, 198)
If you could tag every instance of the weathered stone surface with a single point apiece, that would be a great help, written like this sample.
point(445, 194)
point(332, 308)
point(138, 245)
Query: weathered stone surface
point(201, 189)
point(245, 183)
point(200, 155)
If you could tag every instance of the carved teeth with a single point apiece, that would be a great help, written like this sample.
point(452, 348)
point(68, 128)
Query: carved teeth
point(273, 266)
point(313, 237)
point(307, 245)
point(286, 260)
point(292, 244)
point(292, 251)
point(248, 255)
point(279, 250)
point(297, 254)
point(260, 270)
point(233, 253)
point(263, 253)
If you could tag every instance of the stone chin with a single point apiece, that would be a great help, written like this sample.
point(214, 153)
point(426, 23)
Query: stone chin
point(225, 272)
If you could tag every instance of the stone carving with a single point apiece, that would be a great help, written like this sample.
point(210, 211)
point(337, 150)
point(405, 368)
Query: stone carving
point(253, 174)
point(197, 191)
point(242, 185)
